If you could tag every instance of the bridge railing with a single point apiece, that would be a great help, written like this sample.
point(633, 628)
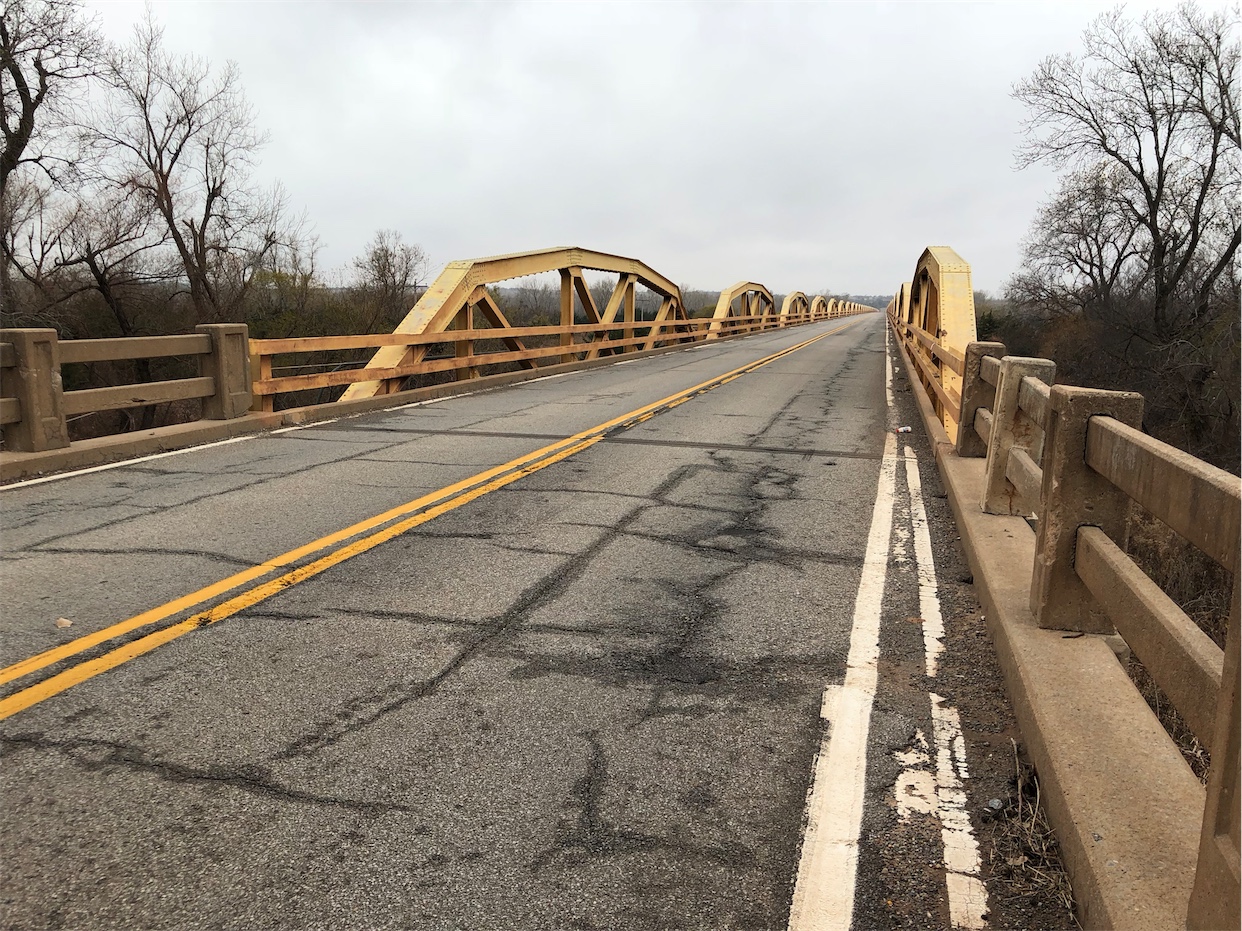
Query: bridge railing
point(465, 353)
point(457, 328)
point(35, 408)
point(1075, 460)
point(934, 317)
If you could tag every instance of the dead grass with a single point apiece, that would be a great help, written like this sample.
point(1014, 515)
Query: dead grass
point(1025, 859)
point(1201, 588)
point(1193, 580)
point(1193, 752)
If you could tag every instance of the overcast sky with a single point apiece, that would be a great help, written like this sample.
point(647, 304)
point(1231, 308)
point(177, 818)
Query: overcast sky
point(809, 146)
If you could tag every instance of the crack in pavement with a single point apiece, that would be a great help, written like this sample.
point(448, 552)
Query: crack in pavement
point(745, 448)
point(586, 835)
point(366, 710)
point(96, 755)
point(623, 440)
point(136, 551)
point(675, 666)
point(752, 552)
point(263, 615)
point(417, 617)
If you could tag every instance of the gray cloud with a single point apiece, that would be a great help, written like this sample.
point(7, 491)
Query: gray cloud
point(803, 145)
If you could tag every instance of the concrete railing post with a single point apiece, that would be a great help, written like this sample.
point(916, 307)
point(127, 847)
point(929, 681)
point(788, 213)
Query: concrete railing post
point(1214, 901)
point(229, 364)
point(35, 382)
point(1013, 429)
point(1075, 495)
point(976, 393)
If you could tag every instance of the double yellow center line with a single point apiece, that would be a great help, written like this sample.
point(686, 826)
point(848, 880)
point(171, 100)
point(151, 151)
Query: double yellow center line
point(342, 545)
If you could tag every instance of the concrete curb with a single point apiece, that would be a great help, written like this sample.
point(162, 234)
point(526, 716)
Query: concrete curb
point(106, 449)
point(1124, 805)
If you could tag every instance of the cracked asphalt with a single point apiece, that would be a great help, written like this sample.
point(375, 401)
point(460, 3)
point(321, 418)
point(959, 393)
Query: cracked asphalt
point(589, 699)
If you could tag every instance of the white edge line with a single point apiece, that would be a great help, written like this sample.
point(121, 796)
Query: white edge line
point(925, 569)
point(823, 897)
point(304, 426)
point(968, 896)
point(888, 370)
point(824, 889)
point(424, 403)
point(127, 462)
point(236, 439)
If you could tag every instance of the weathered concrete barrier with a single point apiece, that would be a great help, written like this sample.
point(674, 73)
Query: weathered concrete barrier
point(1145, 845)
point(35, 407)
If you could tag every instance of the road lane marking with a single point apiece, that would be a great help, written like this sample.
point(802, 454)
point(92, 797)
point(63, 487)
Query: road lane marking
point(433, 504)
point(74, 675)
point(823, 898)
point(303, 426)
point(888, 371)
point(126, 462)
point(828, 871)
point(968, 897)
point(924, 570)
point(426, 401)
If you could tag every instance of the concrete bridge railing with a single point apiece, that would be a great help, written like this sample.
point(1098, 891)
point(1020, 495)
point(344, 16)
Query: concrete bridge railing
point(34, 407)
point(1146, 846)
point(459, 313)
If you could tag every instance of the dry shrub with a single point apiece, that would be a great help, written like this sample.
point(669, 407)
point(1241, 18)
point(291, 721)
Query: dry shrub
point(1200, 587)
point(1195, 754)
point(1196, 583)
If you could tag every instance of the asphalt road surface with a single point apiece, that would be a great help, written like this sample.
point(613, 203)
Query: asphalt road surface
point(592, 651)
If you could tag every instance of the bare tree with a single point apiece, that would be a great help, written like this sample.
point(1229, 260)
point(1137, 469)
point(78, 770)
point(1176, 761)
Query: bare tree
point(287, 298)
point(47, 49)
point(386, 277)
point(119, 245)
point(1132, 264)
point(182, 139)
point(1149, 111)
point(1084, 247)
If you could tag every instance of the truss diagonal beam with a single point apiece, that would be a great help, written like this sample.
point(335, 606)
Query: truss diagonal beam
point(448, 294)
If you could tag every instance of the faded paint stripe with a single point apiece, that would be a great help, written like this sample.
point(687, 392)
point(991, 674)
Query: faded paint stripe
point(126, 462)
point(824, 891)
point(968, 897)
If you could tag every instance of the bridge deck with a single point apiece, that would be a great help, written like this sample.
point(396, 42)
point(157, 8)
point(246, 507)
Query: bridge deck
point(589, 696)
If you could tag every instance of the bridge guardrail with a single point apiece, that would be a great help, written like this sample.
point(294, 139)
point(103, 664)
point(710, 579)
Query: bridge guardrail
point(466, 360)
point(35, 408)
point(448, 314)
point(1075, 459)
point(589, 341)
point(461, 290)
